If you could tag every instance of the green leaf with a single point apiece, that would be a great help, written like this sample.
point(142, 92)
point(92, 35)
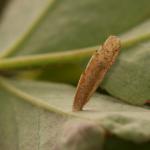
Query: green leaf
point(41, 33)
point(19, 20)
point(129, 78)
point(34, 114)
point(50, 25)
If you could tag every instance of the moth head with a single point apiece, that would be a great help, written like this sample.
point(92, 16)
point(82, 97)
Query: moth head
point(111, 46)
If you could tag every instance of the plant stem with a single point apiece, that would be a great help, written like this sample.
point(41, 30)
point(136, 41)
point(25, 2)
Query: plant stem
point(40, 60)
point(36, 61)
point(134, 41)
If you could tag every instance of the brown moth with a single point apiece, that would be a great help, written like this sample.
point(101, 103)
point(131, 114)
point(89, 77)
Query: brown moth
point(95, 71)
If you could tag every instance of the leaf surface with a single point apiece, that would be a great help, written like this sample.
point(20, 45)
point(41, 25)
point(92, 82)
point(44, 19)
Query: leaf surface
point(38, 110)
point(56, 25)
point(66, 24)
point(33, 114)
point(18, 20)
point(129, 78)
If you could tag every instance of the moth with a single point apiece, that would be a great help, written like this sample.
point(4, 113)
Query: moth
point(97, 67)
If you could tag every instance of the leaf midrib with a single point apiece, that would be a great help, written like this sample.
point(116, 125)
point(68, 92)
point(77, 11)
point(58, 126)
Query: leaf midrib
point(40, 60)
point(26, 97)
point(4, 83)
point(20, 40)
point(12, 49)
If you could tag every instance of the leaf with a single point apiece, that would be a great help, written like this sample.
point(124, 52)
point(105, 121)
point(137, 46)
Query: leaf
point(19, 19)
point(33, 114)
point(129, 78)
point(131, 87)
point(57, 25)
